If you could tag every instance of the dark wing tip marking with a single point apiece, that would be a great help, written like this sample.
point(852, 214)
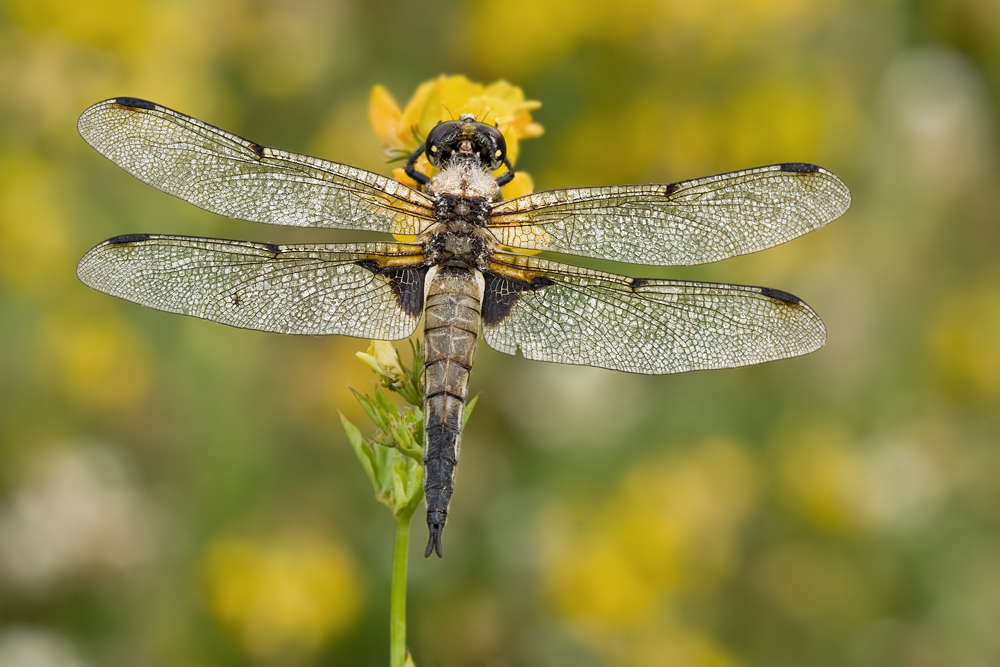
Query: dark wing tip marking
point(272, 248)
point(780, 295)
point(799, 167)
point(636, 283)
point(671, 189)
point(256, 148)
point(134, 102)
point(125, 239)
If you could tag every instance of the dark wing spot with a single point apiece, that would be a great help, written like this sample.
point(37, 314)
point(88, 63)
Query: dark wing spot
point(636, 283)
point(256, 148)
point(127, 238)
point(407, 284)
point(799, 167)
point(780, 295)
point(272, 248)
point(134, 102)
point(502, 292)
point(671, 189)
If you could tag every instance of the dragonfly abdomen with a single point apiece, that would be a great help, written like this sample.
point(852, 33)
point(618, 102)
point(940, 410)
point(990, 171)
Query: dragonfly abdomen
point(452, 312)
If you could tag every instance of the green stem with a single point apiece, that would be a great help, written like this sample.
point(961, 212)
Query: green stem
point(397, 602)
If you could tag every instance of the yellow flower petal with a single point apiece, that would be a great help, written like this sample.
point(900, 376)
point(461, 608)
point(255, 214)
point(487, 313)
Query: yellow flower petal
point(399, 173)
point(522, 185)
point(413, 114)
point(384, 115)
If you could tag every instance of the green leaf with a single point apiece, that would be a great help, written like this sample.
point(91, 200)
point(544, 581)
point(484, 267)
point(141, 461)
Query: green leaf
point(361, 449)
point(370, 408)
point(469, 407)
point(388, 409)
point(412, 390)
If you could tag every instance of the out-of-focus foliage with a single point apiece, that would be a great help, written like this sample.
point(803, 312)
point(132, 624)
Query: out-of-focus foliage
point(175, 492)
point(281, 596)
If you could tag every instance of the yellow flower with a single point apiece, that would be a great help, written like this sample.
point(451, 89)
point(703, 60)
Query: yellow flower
point(446, 97)
point(383, 359)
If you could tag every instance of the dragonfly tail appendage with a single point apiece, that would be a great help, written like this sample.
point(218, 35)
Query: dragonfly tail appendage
point(435, 533)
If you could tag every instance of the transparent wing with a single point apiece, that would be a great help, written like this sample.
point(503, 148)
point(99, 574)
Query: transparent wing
point(347, 289)
point(555, 312)
point(691, 222)
point(226, 174)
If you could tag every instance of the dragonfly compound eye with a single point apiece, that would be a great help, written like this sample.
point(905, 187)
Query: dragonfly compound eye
point(440, 140)
point(494, 143)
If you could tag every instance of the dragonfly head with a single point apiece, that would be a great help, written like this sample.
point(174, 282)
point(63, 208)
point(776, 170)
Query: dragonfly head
point(465, 139)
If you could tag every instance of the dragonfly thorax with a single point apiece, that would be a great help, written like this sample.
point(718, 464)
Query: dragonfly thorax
point(458, 242)
point(468, 180)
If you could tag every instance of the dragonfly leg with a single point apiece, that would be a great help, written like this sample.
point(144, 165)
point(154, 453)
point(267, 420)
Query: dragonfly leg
point(411, 169)
point(507, 176)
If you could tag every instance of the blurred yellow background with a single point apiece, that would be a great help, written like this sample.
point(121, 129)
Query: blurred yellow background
point(175, 492)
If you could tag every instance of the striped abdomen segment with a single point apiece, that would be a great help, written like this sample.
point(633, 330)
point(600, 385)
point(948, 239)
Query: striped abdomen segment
point(454, 298)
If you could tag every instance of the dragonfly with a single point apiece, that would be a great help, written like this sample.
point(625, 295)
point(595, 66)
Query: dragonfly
point(462, 272)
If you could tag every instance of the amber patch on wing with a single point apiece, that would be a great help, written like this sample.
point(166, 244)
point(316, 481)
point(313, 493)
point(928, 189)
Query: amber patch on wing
point(512, 227)
point(411, 211)
point(522, 238)
point(399, 255)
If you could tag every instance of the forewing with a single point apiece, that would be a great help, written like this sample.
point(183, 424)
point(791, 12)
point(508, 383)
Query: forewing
point(226, 174)
point(555, 312)
point(690, 222)
point(372, 290)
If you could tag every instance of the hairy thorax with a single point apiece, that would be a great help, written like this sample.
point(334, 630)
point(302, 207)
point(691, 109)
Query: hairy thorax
point(463, 194)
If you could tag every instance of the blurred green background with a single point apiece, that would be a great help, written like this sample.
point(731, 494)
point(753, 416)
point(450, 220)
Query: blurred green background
point(175, 492)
